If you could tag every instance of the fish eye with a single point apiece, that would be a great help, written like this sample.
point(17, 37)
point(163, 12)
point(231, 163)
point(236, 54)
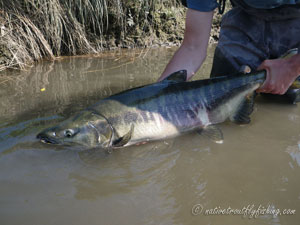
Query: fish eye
point(69, 133)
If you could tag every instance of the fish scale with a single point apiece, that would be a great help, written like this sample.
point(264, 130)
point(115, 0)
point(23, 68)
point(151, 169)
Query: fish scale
point(172, 101)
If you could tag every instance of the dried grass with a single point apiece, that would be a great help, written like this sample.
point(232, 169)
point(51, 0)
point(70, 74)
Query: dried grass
point(36, 29)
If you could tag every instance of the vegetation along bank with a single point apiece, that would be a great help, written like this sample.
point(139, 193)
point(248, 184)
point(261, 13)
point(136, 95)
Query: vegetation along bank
point(36, 29)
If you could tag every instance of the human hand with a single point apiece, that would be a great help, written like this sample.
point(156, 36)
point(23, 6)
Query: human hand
point(280, 74)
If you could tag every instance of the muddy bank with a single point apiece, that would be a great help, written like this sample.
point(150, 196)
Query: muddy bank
point(37, 29)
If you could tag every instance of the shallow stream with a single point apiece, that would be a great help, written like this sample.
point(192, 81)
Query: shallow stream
point(186, 180)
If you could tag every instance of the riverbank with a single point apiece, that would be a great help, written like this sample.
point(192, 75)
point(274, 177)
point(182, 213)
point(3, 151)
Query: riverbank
point(32, 30)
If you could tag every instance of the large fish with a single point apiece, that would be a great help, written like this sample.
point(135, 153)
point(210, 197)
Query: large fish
point(160, 110)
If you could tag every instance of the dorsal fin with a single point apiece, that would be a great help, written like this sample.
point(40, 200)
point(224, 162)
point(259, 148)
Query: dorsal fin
point(179, 76)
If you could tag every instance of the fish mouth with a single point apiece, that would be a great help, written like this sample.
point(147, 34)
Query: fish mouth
point(46, 139)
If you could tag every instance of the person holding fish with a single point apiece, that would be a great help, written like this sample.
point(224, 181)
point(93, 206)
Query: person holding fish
point(254, 33)
point(251, 33)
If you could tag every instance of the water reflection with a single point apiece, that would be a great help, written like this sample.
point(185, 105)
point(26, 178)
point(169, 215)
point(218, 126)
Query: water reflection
point(74, 83)
point(122, 171)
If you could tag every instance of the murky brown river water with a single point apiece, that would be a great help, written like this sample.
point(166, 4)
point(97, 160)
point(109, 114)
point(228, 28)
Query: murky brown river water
point(177, 181)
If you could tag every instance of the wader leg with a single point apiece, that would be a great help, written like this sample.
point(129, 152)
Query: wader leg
point(221, 65)
point(241, 43)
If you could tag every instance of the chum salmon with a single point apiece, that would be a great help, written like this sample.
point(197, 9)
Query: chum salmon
point(161, 110)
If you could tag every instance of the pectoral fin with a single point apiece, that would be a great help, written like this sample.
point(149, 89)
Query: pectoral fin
point(243, 112)
point(213, 133)
point(122, 141)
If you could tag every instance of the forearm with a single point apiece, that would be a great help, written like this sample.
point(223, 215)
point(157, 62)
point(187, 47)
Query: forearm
point(188, 58)
point(192, 52)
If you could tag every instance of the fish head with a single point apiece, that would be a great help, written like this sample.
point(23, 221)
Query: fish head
point(85, 129)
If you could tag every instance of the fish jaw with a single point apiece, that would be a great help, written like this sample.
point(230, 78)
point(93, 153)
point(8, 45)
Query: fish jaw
point(43, 137)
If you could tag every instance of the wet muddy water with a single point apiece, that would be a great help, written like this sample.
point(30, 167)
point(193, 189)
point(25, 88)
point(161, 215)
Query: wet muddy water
point(252, 178)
